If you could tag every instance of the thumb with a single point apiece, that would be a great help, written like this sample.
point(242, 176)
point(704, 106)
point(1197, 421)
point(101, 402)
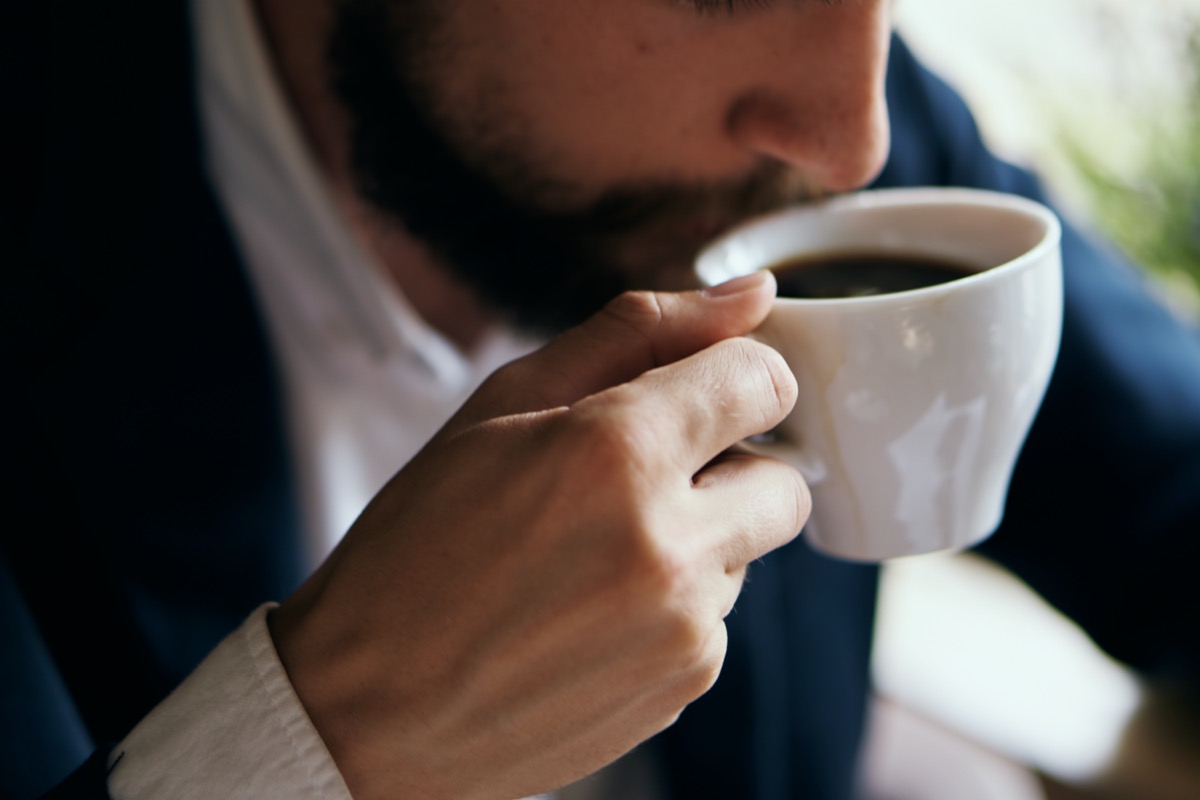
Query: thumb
point(634, 333)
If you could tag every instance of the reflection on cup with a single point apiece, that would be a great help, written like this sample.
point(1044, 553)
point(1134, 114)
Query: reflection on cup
point(922, 326)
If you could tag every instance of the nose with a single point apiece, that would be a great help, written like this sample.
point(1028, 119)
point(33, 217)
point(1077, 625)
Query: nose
point(821, 107)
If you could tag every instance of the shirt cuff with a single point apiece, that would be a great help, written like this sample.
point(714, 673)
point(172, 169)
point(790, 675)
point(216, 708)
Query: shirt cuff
point(234, 728)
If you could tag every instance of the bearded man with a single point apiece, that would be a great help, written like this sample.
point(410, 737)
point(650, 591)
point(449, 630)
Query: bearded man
point(355, 339)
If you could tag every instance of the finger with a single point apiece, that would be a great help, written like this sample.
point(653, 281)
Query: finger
point(687, 412)
point(763, 501)
point(636, 332)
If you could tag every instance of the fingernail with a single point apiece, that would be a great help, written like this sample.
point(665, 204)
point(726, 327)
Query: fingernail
point(745, 283)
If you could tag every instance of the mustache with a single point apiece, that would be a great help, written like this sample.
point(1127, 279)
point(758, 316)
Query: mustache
point(677, 206)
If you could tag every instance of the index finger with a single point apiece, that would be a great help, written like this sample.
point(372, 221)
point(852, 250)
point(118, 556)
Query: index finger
point(636, 332)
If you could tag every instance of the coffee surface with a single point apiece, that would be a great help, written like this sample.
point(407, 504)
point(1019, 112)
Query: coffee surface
point(853, 274)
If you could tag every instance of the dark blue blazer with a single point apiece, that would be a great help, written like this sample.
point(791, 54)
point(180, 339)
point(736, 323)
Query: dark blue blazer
point(150, 504)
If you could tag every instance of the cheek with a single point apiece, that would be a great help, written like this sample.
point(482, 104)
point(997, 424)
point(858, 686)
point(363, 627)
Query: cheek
point(589, 94)
point(596, 96)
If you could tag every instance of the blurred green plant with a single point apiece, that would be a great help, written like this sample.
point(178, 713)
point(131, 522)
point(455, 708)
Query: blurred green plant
point(1153, 211)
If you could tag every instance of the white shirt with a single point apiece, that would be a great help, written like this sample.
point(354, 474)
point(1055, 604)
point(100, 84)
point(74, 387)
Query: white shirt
point(367, 381)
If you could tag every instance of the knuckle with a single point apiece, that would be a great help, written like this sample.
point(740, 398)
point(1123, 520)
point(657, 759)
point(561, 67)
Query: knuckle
point(659, 574)
point(504, 378)
point(686, 638)
point(663, 577)
point(780, 383)
point(508, 386)
point(784, 508)
point(690, 641)
point(774, 385)
point(640, 310)
point(705, 677)
point(614, 436)
point(701, 671)
point(685, 625)
point(635, 315)
point(803, 503)
point(681, 690)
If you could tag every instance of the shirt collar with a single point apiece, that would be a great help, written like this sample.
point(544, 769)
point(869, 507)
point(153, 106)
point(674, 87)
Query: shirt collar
point(275, 193)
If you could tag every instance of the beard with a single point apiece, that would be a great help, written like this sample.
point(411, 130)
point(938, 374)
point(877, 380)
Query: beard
point(489, 208)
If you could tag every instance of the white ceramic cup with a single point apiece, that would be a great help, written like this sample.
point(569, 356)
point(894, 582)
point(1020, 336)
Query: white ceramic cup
point(914, 405)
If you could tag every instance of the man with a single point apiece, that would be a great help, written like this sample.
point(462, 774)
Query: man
point(240, 311)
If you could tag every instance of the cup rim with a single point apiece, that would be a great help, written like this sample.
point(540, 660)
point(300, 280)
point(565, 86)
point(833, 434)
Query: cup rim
point(910, 197)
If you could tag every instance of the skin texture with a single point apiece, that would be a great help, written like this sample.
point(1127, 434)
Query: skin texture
point(644, 90)
point(544, 586)
point(583, 140)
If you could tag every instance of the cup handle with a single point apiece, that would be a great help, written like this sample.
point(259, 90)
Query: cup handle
point(776, 445)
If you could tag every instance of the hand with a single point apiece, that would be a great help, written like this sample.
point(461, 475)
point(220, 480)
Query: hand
point(544, 585)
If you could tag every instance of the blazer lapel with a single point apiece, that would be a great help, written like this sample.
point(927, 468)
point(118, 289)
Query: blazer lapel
point(154, 439)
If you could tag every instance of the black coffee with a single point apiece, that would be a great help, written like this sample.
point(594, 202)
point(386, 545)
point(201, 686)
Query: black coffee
point(853, 274)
